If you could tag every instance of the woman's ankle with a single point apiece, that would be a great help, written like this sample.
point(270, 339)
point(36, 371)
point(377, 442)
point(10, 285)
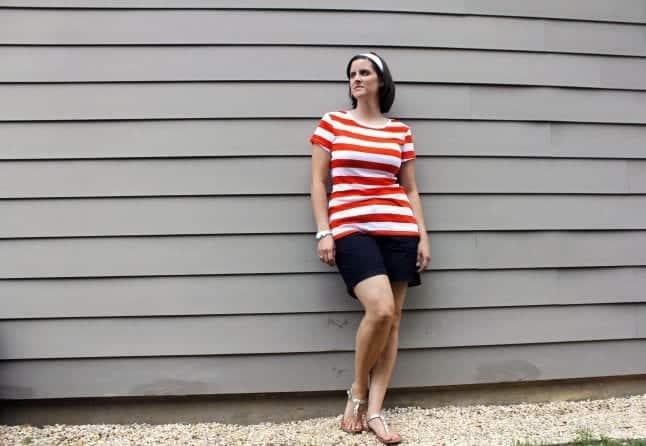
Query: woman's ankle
point(359, 391)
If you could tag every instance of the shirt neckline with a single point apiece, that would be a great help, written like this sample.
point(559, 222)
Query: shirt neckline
point(347, 112)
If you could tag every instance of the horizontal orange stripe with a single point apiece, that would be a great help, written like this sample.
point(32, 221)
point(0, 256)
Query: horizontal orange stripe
point(360, 164)
point(339, 132)
point(371, 218)
point(316, 139)
point(368, 181)
point(368, 202)
point(326, 126)
point(373, 191)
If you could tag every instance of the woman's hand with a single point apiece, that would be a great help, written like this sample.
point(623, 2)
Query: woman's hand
point(423, 253)
point(326, 250)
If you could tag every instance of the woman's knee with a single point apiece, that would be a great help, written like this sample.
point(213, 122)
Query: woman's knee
point(383, 314)
point(396, 319)
point(377, 298)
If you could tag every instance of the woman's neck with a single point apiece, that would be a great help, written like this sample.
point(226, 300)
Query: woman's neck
point(368, 111)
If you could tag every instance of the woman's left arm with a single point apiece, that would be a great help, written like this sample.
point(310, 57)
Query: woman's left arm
point(408, 181)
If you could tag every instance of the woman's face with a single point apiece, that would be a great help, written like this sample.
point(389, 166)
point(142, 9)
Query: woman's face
point(364, 81)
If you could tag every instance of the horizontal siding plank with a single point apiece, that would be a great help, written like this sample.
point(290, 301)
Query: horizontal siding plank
point(248, 176)
point(271, 100)
point(603, 38)
point(573, 105)
point(624, 72)
point(234, 137)
point(108, 139)
point(255, 334)
point(636, 175)
point(310, 293)
point(100, 27)
point(624, 11)
point(577, 140)
point(237, 63)
point(208, 100)
point(292, 214)
point(313, 371)
point(630, 11)
point(230, 254)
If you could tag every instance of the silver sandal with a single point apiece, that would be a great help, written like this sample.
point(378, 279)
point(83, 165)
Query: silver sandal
point(355, 411)
point(379, 437)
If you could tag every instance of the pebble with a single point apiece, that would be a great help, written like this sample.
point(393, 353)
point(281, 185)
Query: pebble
point(550, 422)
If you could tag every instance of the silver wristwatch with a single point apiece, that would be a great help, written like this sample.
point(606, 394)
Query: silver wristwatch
point(324, 233)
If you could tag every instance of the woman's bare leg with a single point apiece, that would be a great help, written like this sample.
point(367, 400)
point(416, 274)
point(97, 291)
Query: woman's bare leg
point(375, 293)
point(382, 371)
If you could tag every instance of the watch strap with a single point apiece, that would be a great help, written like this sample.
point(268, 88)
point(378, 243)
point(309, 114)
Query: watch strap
point(324, 233)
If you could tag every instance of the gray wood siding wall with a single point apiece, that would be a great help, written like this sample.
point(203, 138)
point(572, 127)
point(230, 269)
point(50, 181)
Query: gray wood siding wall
point(155, 229)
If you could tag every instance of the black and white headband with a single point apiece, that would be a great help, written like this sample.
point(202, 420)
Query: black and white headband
point(375, 59)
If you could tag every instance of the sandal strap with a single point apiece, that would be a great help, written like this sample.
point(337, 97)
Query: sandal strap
point(357, 402)
point(383, 421)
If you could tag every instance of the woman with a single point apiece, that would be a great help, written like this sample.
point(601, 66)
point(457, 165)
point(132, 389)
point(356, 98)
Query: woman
point(372, 227)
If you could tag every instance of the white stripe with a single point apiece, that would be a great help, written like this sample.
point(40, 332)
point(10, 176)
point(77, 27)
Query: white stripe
point(354, 198)
point(372, 209)
point(324, 134)
point(360, 172)
point(408, 147)
point(370, 157)
point(340, 230)
point(376, 133)
point(346, 115)
point(351, 186)
point(381, 226)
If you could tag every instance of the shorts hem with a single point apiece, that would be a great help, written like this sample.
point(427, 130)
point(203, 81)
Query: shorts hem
point(412, 282)
point(367, 275)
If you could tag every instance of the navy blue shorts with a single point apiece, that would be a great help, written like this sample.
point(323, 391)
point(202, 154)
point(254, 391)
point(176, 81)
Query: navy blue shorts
point(359, 256)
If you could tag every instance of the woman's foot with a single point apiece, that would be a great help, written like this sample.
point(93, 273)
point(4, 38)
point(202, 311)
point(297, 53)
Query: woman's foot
point(352, 421)
point(377, 424)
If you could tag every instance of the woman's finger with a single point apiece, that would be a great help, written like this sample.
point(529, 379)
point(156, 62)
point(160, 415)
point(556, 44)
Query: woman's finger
point(420, 259)
point(328, 256)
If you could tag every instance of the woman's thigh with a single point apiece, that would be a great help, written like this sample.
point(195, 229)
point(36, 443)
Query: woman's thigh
point(376, 294)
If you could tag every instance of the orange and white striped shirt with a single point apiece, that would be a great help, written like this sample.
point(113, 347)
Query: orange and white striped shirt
point(365, 162)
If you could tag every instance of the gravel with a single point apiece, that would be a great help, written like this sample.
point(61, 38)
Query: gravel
point(549, 422)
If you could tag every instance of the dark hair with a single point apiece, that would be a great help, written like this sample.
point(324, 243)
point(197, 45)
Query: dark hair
point(386, 91)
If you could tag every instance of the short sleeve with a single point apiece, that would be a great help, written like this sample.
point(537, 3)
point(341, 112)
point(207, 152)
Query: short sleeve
point(324, 133)
point(408, 149)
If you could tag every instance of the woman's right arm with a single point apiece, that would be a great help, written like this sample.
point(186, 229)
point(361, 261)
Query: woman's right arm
point(318, 193)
